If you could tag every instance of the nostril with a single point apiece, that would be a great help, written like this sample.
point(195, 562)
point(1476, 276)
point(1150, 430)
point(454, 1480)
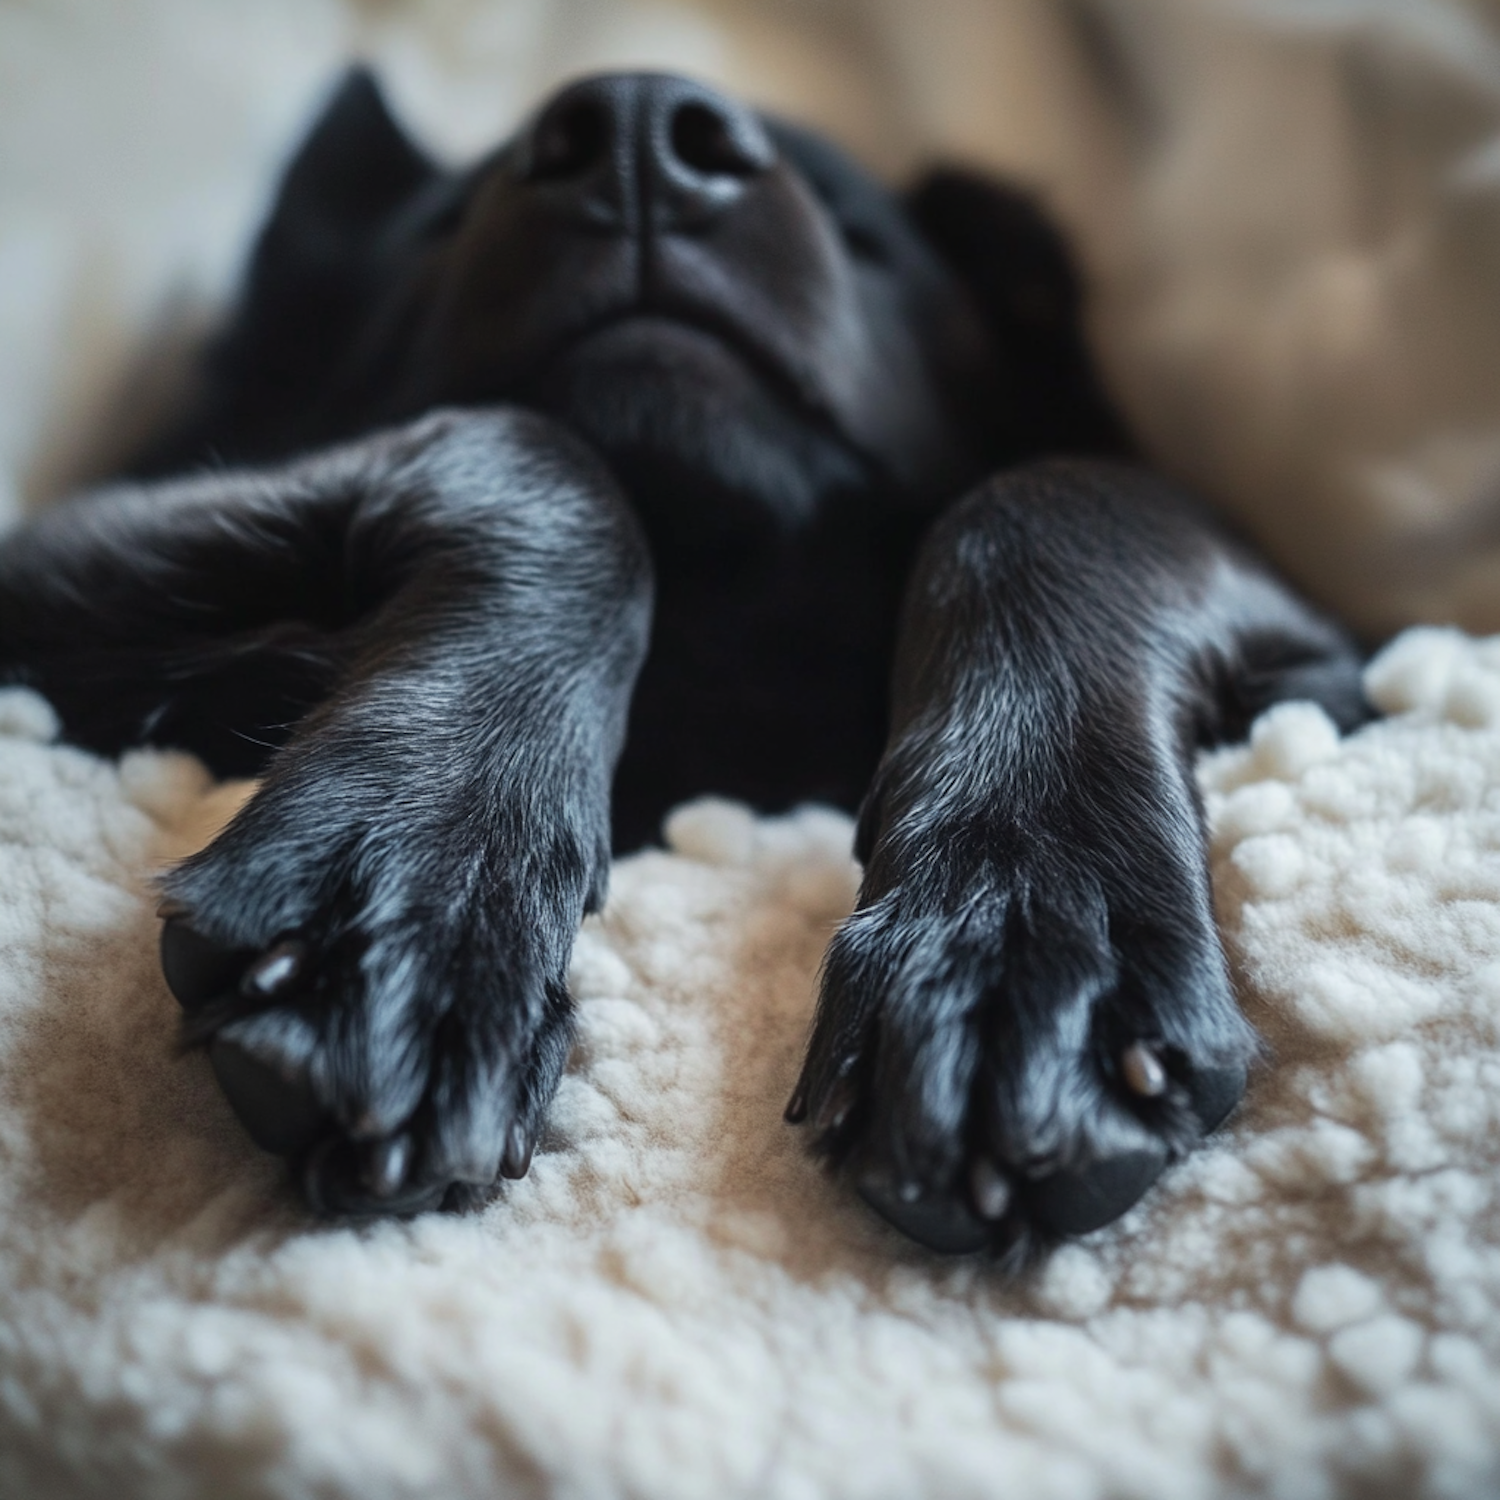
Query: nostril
point(568, 140)
point(705, 140)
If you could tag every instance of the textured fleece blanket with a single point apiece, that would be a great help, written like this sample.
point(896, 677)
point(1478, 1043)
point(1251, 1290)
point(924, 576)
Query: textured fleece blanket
point(676, 1302)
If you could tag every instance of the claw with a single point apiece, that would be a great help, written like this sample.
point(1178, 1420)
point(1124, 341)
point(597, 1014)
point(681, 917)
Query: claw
point(277, 969)
point(1142, 1071)
point(837, 1105)
point(386, 1165)
point(516, 1161)
point(989, 1188)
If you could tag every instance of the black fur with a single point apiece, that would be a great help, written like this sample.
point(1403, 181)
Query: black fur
point(399, 587)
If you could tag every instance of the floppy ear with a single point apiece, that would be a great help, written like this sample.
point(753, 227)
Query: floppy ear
point(1019, 271)
point(309, 284)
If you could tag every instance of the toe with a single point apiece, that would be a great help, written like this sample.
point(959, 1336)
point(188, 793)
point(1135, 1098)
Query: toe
point(519, 1145)
point(1096, 1194)
point(196, 969)
point(269, 1092)
point(1214, 1093)
point(941, 1221)
point(342, 1179)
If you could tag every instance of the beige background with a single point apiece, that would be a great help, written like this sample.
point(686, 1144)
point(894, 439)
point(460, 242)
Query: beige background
point(1290, 210)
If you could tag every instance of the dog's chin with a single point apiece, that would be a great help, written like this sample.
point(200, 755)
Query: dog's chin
point(714, 456)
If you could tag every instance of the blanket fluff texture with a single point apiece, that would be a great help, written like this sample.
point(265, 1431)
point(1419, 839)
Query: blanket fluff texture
point(676, 1302)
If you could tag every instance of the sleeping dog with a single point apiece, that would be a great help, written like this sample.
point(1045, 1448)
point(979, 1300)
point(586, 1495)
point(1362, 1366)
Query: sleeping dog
point(665, 452)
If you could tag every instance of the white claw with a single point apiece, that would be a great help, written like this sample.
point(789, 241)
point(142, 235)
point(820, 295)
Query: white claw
point(273, 970)
point(1143, 1072)
point(385, 1168)
point(989, 1188)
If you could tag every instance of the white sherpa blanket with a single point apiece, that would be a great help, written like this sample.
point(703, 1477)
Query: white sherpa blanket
point(676, 1302)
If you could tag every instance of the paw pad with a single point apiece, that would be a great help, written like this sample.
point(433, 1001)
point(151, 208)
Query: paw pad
point(276, 1107)
point(278, 1022)
point(940, 1221)
point(196, 969)
point(1214, 1093)
point(273, 1100)
point(1078, 1202)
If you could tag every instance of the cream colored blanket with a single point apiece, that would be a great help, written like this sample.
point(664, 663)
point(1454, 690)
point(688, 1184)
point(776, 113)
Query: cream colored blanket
point(676, 1302)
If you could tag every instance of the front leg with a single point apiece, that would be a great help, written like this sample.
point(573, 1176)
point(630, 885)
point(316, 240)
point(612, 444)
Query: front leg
point(374, 950)
point(1029, 1013)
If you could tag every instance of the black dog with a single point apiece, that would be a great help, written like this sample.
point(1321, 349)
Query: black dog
point(662, 368)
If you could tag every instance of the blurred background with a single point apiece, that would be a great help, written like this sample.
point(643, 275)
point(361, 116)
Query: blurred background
point(1288, 212)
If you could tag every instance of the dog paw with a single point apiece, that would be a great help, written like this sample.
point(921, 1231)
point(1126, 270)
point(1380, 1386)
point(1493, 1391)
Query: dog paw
point(400, 1049)
point(1015, 1058)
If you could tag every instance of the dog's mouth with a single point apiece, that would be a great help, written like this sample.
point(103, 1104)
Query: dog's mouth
point(687, 344)
point(712, 430)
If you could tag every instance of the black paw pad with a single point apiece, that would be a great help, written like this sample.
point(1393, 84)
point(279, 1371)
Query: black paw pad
point(940, 1221)
point(1214, 1093)
point(1080, 1201)
point(267, 1089)
point(196, 969)
point(274, 1103)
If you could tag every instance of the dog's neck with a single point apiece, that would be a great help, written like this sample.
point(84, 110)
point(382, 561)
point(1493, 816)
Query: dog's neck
point(767, 675)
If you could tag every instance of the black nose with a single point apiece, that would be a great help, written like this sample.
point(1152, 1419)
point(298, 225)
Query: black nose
point(631, 151)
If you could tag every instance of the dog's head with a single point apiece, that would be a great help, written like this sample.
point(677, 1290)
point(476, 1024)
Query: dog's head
point(739, 318)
